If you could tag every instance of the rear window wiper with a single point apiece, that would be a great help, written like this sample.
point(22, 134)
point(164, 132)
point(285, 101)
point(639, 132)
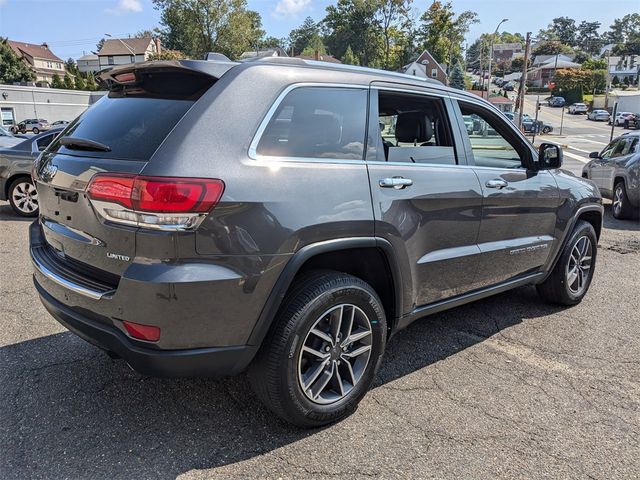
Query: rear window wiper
point(84, 144)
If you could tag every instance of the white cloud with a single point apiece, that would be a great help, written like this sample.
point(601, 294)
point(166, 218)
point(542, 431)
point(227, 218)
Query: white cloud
point(126, 6)
point(290, 8)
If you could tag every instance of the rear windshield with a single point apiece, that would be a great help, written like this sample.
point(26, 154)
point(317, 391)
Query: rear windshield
point(133, 120)
point(133, 128)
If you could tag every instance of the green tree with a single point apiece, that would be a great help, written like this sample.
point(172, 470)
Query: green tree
point(100, 44)
point(624, 29)
point(196, 27)
point(355, 23)
point(13, 68)
point(300, 37)
point(272, 42)
point(167, 54)
point(395, 23)
point(91, 82)
point(349, 58)
point(80, 83)
point(588, 38)
point(561, 28)
point(315, 45)
point(442, 33)
point(595, 64)
point(456, 79)
point(56, 81)
point(68, 82)
point(551, 47)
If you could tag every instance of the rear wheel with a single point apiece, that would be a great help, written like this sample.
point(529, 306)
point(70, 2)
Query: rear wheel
point(546, 130)
point(571, 277)
point(323, 350)
point(23, 197)
point(36, 130)
point(621, 207)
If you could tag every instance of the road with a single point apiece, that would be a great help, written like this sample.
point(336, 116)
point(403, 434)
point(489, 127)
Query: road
point(504, 388)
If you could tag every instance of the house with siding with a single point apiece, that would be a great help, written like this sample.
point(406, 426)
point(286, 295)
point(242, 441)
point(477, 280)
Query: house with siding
point(121, 51)
point(425, 66)
point(40, 59)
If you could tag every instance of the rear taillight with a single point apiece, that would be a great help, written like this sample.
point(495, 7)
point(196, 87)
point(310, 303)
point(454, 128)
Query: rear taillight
point(148, 333)
point(167, 203)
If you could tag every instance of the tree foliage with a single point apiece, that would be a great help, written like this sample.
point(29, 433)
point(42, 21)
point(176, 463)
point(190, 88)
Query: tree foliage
point(456, 79)
point(300, 37)
point(12, 67)
point(196, 27)
point(349, 58)
point(442, 33)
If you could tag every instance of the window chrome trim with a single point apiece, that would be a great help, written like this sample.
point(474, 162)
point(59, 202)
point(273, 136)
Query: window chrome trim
point(253, 146)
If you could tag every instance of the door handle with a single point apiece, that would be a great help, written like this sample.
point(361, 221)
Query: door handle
point(395, 182)
point(496, 183)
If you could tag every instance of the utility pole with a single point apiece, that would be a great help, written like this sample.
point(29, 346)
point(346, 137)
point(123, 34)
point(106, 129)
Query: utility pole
point(523, 80)
point(608, 82)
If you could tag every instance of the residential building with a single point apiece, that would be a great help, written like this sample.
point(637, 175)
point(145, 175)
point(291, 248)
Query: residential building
point(88, 63)
point(425, 66)
point(507, 52)
point(544, 59)
point(501, 103)
point(543, 74)
point(269, 52)
point(121, 51)
point(626, 66)
point(42, 61)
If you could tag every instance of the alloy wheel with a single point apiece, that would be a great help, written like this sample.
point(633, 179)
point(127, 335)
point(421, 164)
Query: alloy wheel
point(579, 265)
point(25, 197)
point(335, 354)
point(617, 200)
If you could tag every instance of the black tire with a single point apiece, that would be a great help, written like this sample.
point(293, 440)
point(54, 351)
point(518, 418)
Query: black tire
point(274, 373)
point(557, 288)
point(623, 209)
point(546, 130)
point(35, 130)
point(19, 207)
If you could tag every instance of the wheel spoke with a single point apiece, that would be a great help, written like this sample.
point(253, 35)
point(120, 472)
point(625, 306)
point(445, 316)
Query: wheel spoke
point(315, 353)
point(325, 378)
point(358, 351)
point(350, 370)
point(349, 323)
point(324, 336)
point(339, 380)
point(335, 320)
point(354, 337)
point(573, 274)
point(313, 376)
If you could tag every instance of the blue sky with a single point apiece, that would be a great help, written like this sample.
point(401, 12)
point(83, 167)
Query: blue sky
point(72, 27)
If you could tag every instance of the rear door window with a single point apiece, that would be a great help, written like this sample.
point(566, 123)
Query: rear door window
point(317, 122)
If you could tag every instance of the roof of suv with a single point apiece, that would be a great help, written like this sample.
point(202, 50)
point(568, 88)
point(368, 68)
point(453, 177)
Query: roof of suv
point(335, 72)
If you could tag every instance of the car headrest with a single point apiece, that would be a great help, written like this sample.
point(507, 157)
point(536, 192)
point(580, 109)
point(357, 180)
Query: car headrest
point(413, 127)
point(312, 130)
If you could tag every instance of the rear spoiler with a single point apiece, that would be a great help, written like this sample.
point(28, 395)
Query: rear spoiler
point(131, 74)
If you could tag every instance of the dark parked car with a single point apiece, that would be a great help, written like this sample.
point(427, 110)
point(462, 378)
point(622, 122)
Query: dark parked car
point(35, 125)
point(329, 208)
point(557, 102)
point(16, 162)
point(616, 172)
point(8, 139)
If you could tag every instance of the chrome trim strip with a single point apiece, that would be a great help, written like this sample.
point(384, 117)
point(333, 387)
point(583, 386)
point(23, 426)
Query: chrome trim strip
point(95, 295)
point(72, 233)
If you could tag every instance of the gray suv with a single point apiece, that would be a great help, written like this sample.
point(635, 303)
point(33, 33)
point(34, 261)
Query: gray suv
point(287, 217)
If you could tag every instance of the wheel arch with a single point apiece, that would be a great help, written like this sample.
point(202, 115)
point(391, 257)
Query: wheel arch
point(359, 256)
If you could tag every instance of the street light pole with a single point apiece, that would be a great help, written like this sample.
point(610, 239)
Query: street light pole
point(491, 54)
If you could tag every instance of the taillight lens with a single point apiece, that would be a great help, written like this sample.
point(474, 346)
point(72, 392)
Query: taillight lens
point(169, 203)
point(148, 333)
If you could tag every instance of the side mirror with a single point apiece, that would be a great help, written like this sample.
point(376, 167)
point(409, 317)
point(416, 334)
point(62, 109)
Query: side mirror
point(549, 156)
point(594, 155)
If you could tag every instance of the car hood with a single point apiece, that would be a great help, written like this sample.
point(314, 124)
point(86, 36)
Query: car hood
point(8, 142)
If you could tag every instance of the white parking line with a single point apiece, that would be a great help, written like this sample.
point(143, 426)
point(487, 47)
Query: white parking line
point(590, 141)
point(576, 157)
point(579, 149)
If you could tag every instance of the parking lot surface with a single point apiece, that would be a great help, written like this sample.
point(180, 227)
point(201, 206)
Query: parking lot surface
point(506, 387)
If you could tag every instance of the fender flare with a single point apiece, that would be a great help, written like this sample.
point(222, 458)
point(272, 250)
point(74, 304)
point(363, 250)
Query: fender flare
point(591, 207)
point(307, 252)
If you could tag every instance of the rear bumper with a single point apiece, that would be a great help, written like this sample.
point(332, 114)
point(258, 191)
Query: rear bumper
point(195, 362)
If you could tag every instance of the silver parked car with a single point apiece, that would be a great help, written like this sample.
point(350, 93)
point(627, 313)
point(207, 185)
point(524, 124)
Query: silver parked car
point(616, 172)
point(578, 108)
point(15, 172)
point(598, 115)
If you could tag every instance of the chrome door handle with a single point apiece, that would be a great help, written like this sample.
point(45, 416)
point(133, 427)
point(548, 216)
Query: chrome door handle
point(496, 183)
point(395, 182)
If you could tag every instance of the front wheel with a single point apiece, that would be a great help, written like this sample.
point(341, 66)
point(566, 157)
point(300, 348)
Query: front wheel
point(571, 277)
point(35, 130)
point(546, 130)
point(323, 350)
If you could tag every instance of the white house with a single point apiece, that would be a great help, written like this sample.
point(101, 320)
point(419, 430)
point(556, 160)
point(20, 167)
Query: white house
point(121, 51)
point(88, 63)
point(42, 61)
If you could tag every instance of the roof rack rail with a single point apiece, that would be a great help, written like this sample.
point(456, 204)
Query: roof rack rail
point(216, 57)
point(378, 71)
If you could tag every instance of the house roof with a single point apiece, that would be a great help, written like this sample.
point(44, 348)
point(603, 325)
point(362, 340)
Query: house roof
point(114, 46)
point(423, 60)
point(33, 50)
point(507, 46)
point(542, 59)
point(322, 58)
point(497, 99)
point(87, 58)
point(560, 64)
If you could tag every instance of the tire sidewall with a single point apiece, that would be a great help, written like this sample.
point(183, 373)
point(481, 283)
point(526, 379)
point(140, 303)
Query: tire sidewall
point(623, 199)
point(582, 230)
point(297, 401)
